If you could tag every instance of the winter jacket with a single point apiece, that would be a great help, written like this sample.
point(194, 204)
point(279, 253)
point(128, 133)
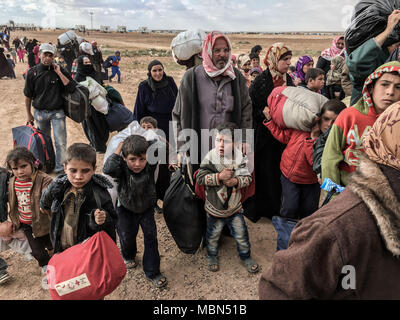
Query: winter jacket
point(136, 191)
point(362, 62)
point(296, 161)
point(52, 199)
point(358, 231)
point(187, 103)
point(318, 149)
point(40, 220)
point(45, 88)
point(344, 144)
point(157, 104)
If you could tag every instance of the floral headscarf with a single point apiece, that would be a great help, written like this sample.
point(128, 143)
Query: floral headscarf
point(274, 54)
point(299, 67)
point(382, 144)
point(333, 51)
point(209, 67)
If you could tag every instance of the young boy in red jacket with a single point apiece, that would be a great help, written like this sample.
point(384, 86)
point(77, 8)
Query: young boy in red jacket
point(300, 187)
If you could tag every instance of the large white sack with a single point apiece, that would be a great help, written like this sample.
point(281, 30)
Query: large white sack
point(186, 44)
point(133, 128)
point(97, 94)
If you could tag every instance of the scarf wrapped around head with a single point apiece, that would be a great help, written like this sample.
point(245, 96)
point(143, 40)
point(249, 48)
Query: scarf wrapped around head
point(209, 67)
point(382, 144)
point(393, 66)
point(276, 52)
point(335, 76)
point(155, 85)
point(299, 67)
point(333, 51)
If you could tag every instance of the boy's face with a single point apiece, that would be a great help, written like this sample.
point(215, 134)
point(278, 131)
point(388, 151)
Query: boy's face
point(79, 172)
point(224, 145)
point(385, 92)
point(327, 120)
point(147, 126)
point(136, 163)
point(317, 84)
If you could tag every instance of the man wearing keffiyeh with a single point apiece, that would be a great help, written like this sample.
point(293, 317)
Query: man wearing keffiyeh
point(209, 95)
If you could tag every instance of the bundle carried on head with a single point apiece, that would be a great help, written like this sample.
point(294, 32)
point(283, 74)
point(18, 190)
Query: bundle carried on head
point(187, 44)
point(369, 20)
point(295, 107)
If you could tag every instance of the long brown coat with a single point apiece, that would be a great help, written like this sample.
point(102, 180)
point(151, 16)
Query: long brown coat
point(40, 220)
point(360, 228)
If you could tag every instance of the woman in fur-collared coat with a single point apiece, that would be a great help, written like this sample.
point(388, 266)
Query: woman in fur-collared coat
point(350, 248)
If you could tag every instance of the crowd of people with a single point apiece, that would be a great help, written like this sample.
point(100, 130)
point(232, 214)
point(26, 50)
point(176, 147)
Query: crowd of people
point(351, 143)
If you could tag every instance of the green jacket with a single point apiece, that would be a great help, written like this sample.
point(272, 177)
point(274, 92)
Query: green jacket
point(362, 62)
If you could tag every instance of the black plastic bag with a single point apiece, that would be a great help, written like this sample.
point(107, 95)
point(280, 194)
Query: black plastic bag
point(184, 212)
point(369, 20)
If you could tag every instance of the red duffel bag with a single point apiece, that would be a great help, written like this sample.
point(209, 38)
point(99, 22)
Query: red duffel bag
point(86, 271)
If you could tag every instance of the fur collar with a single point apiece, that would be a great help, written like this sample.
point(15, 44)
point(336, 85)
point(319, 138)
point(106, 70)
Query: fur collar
point(372, 186)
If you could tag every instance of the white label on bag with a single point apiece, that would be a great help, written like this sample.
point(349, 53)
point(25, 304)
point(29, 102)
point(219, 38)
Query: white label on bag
point(72, 285)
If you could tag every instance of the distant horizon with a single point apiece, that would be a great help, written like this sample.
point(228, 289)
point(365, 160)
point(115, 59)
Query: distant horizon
point(233, 16)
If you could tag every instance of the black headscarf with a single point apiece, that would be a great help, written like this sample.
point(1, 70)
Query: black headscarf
point(86, 70)
point(155, 85)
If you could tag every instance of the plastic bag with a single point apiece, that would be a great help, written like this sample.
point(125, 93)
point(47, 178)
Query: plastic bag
point(369, 20)
point(97, 94)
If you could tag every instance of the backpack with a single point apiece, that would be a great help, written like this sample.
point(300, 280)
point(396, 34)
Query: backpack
point(77, 104)
point(38, 142)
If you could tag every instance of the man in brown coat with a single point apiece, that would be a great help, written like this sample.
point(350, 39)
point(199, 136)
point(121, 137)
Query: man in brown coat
point(350, 248)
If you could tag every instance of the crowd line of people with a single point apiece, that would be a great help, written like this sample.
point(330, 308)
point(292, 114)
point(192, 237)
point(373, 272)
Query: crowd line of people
point(352, 144)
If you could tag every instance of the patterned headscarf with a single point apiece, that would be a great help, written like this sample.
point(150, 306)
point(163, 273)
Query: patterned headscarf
point(299, 67)
point(209, 67)
point(393, 66)
point(382, 144)
point(333, 51)
point(335, 76)
point(274, 54)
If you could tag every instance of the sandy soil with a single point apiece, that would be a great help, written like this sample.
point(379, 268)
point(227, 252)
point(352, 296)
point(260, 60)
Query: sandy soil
point(188, 275)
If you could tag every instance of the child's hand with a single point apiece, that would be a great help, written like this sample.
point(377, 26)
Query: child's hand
point(315, 132)
point(226, 174)
point(99, 216)
point(267, 113)
point(231, 182)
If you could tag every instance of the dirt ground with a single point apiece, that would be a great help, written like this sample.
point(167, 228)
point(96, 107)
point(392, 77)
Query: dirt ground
point(187, 275)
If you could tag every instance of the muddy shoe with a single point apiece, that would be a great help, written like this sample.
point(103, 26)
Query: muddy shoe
point(212, 263)
point(251, 265)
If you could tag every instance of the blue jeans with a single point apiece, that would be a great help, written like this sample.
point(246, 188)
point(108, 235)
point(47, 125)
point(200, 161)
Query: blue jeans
point(115, 71)
point(128, 227)
point(44, 120)
point(238, 228)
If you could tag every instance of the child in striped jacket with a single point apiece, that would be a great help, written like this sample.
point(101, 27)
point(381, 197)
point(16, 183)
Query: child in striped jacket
point(24, 191)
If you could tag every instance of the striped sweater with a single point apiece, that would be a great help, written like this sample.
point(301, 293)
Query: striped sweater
point(23, 193)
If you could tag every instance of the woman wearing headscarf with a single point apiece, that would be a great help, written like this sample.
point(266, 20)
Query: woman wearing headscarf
point(334, 77)
point(268, 150)
point(244, 65)
point(303, 64)
point(95, 127)
point(156, 98)
point(359, 230)
point(5, 68)
point(336, 49)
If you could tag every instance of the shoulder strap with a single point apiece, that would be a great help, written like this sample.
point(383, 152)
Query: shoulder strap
point(97, 199)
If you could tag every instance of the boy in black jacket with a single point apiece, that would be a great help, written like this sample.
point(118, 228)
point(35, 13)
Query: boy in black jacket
point(79, 201)
point(135, 206)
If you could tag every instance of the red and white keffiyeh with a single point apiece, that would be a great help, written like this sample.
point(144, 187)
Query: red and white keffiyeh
point(209, 67)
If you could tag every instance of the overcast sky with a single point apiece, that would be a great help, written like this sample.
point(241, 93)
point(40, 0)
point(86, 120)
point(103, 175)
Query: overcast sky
point(224, 15)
